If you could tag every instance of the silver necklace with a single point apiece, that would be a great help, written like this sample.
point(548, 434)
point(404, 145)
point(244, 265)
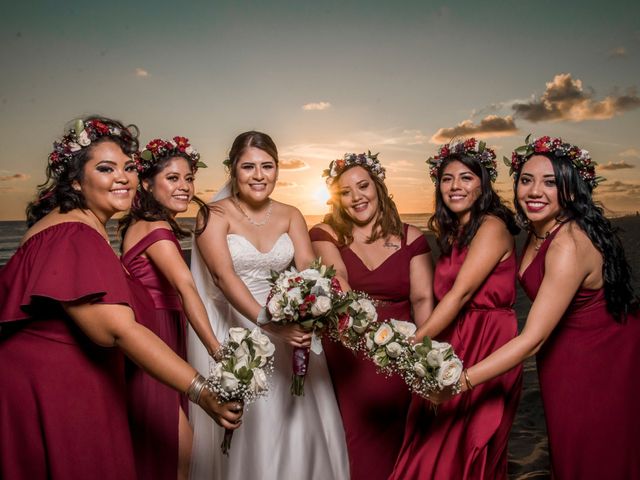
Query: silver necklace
point(251, 220)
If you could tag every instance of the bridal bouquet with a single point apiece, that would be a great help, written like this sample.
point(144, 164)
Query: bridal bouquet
point(354, 315)
point(431, 366)
point(387, 343)
point(308, 298)
point(241, 373)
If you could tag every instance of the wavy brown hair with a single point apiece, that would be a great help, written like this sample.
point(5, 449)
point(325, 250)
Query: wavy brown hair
point(386, 224)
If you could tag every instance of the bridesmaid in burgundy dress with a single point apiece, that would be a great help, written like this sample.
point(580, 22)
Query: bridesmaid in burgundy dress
point(162, 436)
point(475, 287)
point(583, 324)
point(372, 251)
point(64, 301)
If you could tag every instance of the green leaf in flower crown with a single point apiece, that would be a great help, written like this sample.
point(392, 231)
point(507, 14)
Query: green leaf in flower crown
point(146, 155)
point(78, 126)
point(481, 146)
point(522, 150)
point(526, 140)
point(201, 165)
point(507, 161)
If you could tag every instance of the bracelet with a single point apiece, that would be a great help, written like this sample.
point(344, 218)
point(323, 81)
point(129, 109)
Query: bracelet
point(466, 379)
point(195, 389)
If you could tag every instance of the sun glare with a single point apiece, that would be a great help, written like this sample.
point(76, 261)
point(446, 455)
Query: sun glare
point(321, 195)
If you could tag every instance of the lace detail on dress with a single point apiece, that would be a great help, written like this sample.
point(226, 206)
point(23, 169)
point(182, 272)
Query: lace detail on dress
point(252, 264)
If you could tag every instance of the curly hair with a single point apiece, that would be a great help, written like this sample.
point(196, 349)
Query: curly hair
point(577, 205)
point(57, 190)
point(387, 222)
point(446, 223)
point(146, 207)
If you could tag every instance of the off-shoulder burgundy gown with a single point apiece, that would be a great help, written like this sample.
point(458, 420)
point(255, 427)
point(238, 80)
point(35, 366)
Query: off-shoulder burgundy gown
point(153, 407)
point(62, 397)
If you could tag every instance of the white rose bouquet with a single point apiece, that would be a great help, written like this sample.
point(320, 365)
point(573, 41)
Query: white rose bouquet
point(386, 343)
point(241, 374)
point(353, 317)
point(431, 366)
point(308, 298)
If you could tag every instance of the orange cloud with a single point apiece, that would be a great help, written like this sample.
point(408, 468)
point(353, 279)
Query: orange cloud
point(292, 164)
point(316, 106)
point(489, 126)
point(565, 99)
point(15, 176)
point(616, 165)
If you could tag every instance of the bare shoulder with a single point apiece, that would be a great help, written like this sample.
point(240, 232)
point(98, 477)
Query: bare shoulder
point(52, 219)
point(218, 212)
point(572, 239)
point(413, 233)
point(287, 210)
point(493, 227)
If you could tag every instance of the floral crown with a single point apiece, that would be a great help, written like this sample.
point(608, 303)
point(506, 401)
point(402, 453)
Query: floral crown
point(467, 148)
point(367, 160)
point(158, 148)
point(80, 136)
point(579, 158)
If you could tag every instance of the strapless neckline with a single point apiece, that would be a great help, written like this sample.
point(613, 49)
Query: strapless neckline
point(273, 247)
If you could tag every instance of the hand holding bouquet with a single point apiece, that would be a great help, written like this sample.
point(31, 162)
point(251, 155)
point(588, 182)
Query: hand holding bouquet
point(307, 298)
point(431, 366)
point(241, 374)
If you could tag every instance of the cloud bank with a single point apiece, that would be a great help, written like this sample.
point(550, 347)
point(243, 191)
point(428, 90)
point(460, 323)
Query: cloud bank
point(566, 99)
point(489, 126)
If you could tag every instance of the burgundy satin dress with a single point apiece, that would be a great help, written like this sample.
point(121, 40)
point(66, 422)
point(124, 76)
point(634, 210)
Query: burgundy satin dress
point(467, 437)
point(153, 407)
point(62, 397)
point(373, 407)
point(588, 370)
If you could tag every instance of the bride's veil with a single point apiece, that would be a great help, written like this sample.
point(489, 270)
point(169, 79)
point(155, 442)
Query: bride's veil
point(207, 436)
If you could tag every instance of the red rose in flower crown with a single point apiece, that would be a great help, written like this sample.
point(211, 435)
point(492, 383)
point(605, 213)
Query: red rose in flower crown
point(159, 149)
point(580, 159)
point(468, 148)
point(367, 161)
point(82, 135)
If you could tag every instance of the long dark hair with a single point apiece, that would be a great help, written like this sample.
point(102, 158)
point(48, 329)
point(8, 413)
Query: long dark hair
point(57, 190)
point(577, 205)
point(446, 223)
point(242, 142)
point(387, 222)
point(146, 207)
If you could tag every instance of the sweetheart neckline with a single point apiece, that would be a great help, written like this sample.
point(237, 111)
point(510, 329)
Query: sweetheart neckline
point(256, 248)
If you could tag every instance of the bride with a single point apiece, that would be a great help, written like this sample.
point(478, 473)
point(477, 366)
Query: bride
point(244, 237)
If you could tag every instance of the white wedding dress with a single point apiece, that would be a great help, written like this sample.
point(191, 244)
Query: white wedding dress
point(282, 437)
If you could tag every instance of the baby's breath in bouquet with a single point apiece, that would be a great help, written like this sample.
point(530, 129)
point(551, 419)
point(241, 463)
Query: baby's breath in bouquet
point(246, 358)
point(431, 366)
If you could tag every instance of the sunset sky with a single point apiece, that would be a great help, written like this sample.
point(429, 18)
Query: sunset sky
point(325, 78)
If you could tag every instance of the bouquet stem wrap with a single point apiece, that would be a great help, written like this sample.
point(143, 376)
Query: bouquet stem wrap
point(226, 441)
point(300, 363)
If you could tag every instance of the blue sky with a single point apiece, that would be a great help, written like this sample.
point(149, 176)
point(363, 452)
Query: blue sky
point(325, 78)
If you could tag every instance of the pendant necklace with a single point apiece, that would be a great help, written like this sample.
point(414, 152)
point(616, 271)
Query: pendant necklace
point(543, 237)
point(251, 220)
